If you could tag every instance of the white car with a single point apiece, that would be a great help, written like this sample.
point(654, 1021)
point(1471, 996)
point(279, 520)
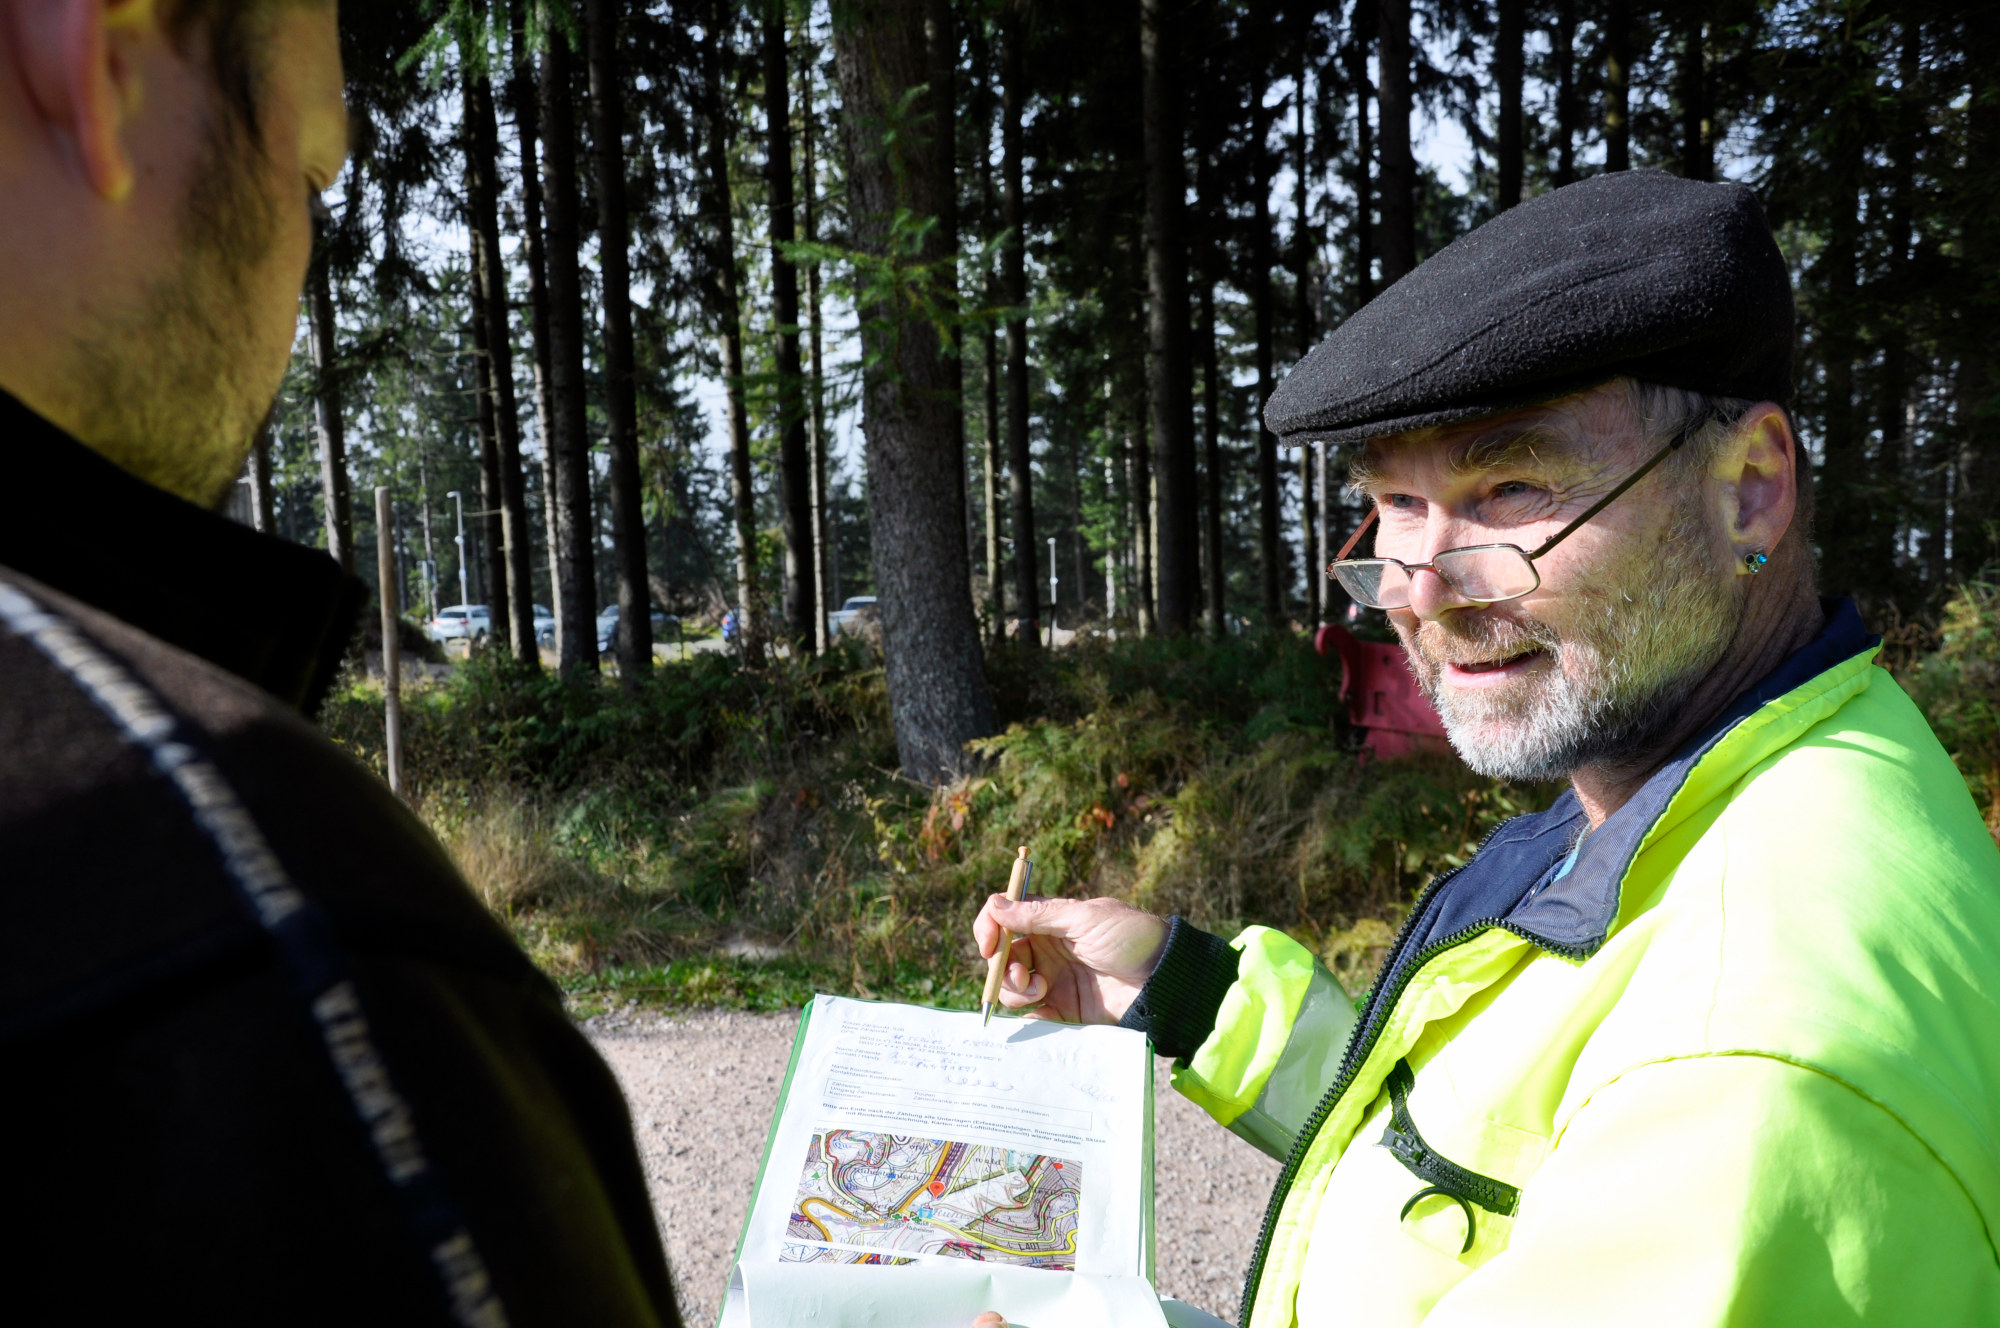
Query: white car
point(545, 625)
point(838, 620)
point(460, 622)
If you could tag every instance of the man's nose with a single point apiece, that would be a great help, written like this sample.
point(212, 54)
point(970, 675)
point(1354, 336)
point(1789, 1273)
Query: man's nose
point(1431, 596)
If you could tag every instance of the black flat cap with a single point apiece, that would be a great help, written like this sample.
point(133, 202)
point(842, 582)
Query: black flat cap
point(1634, 272)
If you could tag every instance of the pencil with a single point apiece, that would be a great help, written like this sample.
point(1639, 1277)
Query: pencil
point(996, 967)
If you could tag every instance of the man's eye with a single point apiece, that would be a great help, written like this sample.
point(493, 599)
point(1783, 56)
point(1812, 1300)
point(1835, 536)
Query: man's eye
point(1401, 501)
point(1513, 489)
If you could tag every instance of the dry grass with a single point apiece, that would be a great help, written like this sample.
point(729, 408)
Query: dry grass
point(506, 848)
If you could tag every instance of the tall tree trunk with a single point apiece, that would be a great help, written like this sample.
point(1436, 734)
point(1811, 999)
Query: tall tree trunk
point(1399, 167)
point(1617, 91)
point(1359, 40)
point(1302, 318)
point(825, 593)
point(522, 91)
point(1316, 456)
point(1563, 41)
point(1211, 392)
point(1139, 474)
point(996, 578)
point(1846, 505)
point(1892, 390)
point(941, 54)
point(634, 639)
point(938, 698)
point(514, 620)
point(1014, 281)
point(1130, 545)
point(729, 316)
point(1170, 389)
point(576, 528)
point(492, 533)
point(332, 430)
point(1977, 202)
point(1697, 152)
point(1508, 72)
point(1270, 538)
point(795, 480)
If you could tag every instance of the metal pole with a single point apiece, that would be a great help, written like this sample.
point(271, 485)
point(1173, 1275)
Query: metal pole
point(1052, 590)
point(392, 661)
point(464, 595)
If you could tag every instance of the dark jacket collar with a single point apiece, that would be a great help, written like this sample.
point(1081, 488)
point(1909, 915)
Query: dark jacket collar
point(276, 614)
point(1508, 880)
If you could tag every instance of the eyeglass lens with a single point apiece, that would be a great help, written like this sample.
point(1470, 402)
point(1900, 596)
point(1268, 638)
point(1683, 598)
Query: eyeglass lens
point(1486, 574)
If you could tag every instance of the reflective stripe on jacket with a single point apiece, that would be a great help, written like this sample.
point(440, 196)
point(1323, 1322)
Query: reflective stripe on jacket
point(1739, 1064)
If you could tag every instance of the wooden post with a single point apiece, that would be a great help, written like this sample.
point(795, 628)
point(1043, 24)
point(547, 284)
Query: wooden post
point(392, 663)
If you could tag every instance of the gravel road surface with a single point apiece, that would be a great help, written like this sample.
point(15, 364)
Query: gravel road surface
point(702, 1089)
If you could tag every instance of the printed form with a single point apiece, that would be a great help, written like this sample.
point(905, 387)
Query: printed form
point(924, 1168)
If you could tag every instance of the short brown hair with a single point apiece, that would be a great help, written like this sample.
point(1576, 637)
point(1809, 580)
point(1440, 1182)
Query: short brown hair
point(235, 34)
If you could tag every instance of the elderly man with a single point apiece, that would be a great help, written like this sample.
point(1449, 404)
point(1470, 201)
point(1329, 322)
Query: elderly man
point(267, 1059)
point(1716, 1038)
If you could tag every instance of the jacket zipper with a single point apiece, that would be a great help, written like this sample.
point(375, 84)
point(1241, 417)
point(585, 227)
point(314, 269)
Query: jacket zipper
point(1381, 1002)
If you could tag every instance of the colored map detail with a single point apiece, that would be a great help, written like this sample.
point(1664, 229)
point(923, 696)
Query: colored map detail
point(790, 1253)
point(934, 1196)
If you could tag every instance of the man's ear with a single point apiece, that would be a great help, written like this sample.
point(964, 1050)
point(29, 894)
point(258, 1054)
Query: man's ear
point(1757, 468)
point(77, 63)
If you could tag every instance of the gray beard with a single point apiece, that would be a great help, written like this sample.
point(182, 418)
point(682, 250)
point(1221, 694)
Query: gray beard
point(1612, 688)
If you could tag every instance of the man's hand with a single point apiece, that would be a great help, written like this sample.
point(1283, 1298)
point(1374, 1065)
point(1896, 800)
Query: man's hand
point(1082, 961)
point(989, 1320)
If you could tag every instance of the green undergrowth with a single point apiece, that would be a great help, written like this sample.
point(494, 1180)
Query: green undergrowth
point(729, 837)
point(720, 836)
point(1957, 684)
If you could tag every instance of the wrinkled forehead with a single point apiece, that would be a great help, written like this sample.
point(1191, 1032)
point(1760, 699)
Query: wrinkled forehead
point(1571, 435)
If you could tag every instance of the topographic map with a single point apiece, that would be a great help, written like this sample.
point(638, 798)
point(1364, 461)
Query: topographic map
point(915, 1195)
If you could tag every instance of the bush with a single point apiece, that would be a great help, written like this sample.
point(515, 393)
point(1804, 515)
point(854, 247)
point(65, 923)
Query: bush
point(727, 835)
point(1958, 687)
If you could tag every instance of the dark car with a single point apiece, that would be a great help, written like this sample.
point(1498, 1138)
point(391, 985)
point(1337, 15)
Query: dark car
point(607, 627)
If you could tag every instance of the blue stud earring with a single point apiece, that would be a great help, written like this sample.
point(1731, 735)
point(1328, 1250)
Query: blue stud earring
point(1755, 562)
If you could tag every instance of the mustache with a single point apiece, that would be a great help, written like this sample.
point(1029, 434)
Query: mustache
point(1481, 639)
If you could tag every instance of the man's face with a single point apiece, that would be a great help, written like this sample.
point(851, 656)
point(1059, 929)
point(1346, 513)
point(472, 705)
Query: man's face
point(182, 373)
point(1632, 611)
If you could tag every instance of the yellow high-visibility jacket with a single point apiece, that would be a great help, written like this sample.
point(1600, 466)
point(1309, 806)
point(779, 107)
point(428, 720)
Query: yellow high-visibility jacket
point(1733, 1060)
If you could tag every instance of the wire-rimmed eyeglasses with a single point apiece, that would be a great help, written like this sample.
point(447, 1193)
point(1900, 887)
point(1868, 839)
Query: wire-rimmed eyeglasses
point(1482, 573)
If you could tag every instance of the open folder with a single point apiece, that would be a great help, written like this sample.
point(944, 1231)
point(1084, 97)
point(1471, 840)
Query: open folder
point(923, 1168)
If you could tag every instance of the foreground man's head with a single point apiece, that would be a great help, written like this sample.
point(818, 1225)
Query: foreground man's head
point(158, 162)
point(1503, 392)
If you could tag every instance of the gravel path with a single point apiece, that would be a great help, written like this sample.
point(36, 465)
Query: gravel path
point(702, 1089)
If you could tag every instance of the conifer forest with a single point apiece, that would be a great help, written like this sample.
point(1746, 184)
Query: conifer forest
point(739, 309)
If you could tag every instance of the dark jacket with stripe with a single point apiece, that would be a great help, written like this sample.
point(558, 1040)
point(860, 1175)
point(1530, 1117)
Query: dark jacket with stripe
point(211, 1107)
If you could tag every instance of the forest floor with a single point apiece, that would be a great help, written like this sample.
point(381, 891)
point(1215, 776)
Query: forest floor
point(702, 1088)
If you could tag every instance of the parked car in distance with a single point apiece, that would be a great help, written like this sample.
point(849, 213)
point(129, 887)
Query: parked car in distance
point(838, 620)
point(545, 625)
point(607, 627)
point(460, 622)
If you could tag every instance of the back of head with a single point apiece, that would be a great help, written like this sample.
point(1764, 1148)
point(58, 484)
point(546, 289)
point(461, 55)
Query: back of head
point(156, 167)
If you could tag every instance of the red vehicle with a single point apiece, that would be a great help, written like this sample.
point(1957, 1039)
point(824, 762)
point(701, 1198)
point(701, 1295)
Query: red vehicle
point(1381, 694)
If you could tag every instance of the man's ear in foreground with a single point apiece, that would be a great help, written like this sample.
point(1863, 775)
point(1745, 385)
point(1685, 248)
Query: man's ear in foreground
point(78, 67)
